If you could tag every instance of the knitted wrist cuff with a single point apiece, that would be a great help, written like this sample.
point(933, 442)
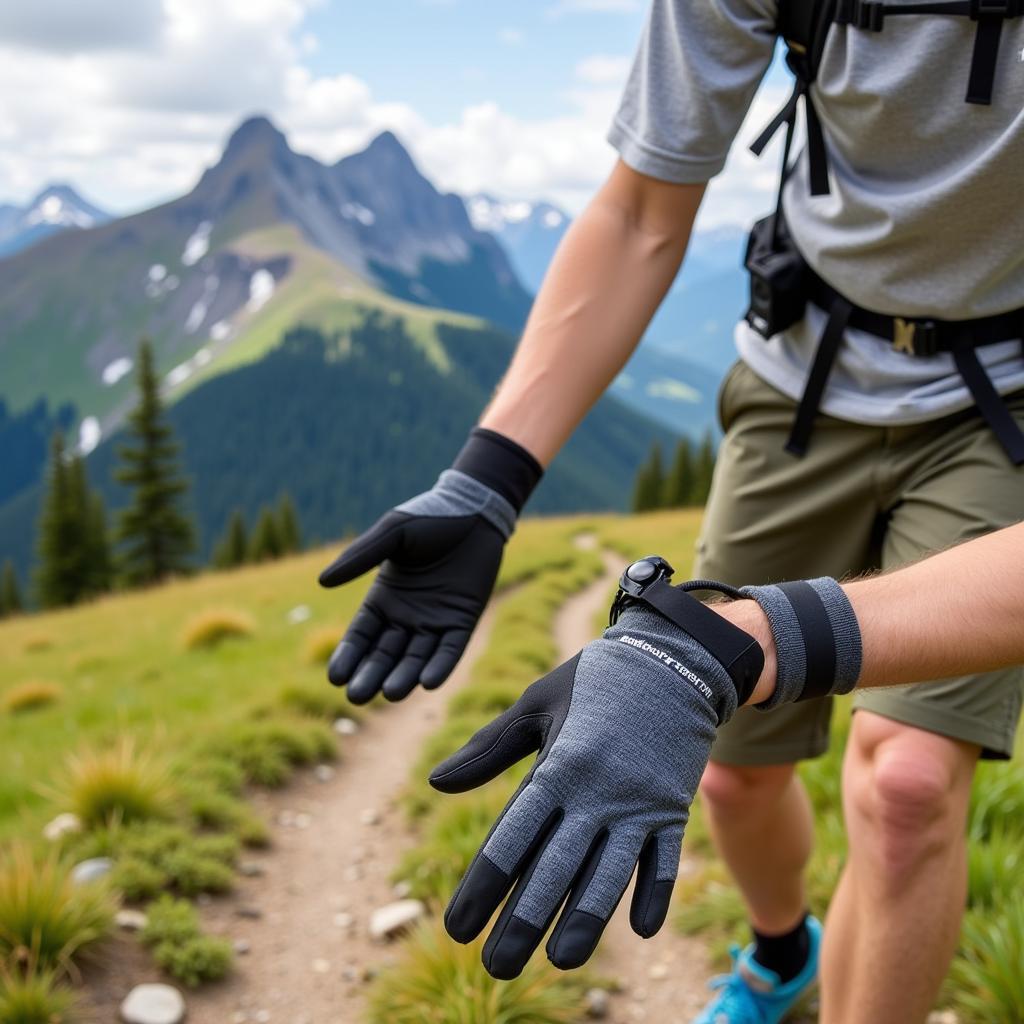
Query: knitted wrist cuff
point(817, 639)
point(499, 463)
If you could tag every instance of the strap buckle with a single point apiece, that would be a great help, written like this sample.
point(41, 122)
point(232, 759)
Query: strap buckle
point(915, 337)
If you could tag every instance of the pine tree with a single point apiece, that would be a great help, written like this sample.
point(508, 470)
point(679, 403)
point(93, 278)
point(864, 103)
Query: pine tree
point(233, 548)
point(100, 557)
point(10, 593)
point(650, 482)
point(266, 539)
point(156, 537)
point(288, 525)
point(680, 479)
point(704, 470)
point(58, 576)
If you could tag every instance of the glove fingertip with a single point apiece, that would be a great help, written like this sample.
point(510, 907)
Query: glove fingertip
point(647, 916)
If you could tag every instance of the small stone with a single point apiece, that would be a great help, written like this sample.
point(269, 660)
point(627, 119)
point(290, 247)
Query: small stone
point(321, 966)
point(658, 972)
point(63, 825)
point(303, 820)
point(131, 920)
point(353, 873)
point(286, 819)
point(153, 1004)
point(299, 614)
point(943, 1017)
point(370, 817)
point(401, 890)
point(239, 1017)
point(204, 899)
point(91, 870)
point(251, 869)
point(598, 1003)
point(250, 913)
point(345, 727)
point(262, 1017)
point(395, 918)
point(350, 973)
point(344, 920)
point(324, 773)
point(242, 947)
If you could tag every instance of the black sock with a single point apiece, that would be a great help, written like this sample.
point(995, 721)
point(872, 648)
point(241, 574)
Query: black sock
point(786, 955)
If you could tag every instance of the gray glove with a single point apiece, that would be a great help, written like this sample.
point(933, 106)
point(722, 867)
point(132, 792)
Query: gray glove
point(623, 733)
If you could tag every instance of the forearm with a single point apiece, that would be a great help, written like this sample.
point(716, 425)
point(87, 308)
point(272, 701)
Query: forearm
point(607, 279)
point(957, 612)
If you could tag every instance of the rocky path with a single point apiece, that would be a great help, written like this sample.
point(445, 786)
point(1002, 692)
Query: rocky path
point(301, 913)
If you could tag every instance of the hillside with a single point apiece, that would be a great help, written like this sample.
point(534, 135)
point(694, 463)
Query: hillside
point(351, 416)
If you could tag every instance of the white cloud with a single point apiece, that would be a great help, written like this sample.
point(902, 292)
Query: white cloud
point(512, 36)
point(143, 125)
point(71, 26)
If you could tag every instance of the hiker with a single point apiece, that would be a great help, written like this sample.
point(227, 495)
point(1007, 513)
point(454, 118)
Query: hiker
point(874, 416)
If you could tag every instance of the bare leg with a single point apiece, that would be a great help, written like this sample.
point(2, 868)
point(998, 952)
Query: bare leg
point(894, 921)
point(760, 820)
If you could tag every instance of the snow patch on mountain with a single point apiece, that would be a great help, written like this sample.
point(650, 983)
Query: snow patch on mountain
point(356, 211)
point(183, 371)
point(117, 370)
point(89, 435)
point(261, 290)
point(220, 331)
point(673, 390)
point(488, 214)
point(197, 315)
point(56, 211)
point(198, 244)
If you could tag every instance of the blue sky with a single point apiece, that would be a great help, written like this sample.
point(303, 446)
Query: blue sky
point(130, 103)
point(521, 55)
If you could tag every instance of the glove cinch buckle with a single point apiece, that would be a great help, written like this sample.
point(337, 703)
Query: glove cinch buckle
point(636, 578)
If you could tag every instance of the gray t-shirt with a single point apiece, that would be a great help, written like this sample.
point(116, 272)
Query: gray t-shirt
point(926, 211)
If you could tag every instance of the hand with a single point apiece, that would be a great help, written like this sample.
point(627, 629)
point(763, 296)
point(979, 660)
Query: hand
point(439, 555)
point(623, 733)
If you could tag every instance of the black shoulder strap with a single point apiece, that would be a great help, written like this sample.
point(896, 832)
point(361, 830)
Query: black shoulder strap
point(804, 25)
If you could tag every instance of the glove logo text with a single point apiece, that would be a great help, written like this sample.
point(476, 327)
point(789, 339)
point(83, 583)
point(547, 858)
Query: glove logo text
point(673, 663)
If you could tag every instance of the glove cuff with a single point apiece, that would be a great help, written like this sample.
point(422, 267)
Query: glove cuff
point(500, 464)
point(817, 639)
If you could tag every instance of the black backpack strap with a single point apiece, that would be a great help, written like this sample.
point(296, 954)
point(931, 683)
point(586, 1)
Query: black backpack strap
point(804, 25)
point(870, 16)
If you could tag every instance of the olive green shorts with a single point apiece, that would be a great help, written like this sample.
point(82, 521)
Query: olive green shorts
point(862, 498)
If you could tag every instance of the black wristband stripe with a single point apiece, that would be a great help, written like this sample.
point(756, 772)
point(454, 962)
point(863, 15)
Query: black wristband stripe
point(501, 464)
point(819, 643)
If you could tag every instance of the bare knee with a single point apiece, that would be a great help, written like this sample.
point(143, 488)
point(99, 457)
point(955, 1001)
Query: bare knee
point(731, 789)
point(907, 796)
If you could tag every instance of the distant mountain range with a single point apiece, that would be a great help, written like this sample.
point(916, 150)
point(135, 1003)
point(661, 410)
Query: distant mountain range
point(406, 314)
point(57, 208)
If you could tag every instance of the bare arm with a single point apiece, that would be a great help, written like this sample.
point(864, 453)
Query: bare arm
point(606, 281)
point(959, 611)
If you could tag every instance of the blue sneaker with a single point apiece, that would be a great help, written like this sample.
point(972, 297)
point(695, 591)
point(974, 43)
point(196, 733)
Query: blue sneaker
point(752, 994)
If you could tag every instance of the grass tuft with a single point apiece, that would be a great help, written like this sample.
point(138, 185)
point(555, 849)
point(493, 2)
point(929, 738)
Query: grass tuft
point(267, 752)
point(45, 919)
point(439, 981)
point(211, 628)
point(31, 696)
point(34, 997)
point(179, 947)
point(118, 786)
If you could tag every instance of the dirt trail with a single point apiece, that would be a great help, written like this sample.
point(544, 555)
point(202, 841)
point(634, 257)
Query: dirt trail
point(663, 978)
point(301, 910)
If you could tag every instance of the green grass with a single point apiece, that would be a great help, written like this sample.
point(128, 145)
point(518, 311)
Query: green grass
point(437, 981)
point(179, 946)
point(45, 919)
point(35, 997)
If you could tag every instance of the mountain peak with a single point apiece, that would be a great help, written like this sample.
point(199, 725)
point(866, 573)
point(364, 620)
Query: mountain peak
point(255, 132)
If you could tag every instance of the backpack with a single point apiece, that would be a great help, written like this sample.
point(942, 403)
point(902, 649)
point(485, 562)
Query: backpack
point(781, 282)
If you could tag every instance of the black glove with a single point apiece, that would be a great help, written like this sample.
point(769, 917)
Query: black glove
point(440, 552)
